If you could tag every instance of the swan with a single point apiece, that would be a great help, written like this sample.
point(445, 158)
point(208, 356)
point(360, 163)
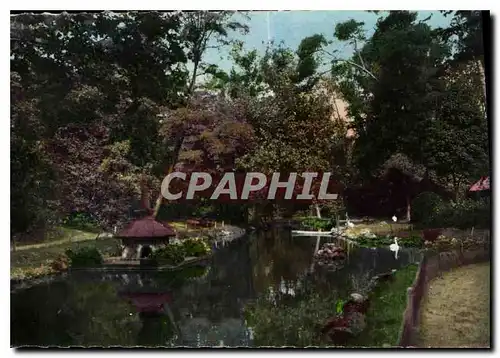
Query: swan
point(395, 247)
point(350, 224)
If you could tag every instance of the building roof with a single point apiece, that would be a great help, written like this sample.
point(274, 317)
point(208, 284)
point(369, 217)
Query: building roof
point(482, 184)
point(147, 227)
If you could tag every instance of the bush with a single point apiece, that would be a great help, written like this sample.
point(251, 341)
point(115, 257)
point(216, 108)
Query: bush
point(82, 221)
point(172, 254)
point(196, 247)
point(463, 214)
point(84, 257)
point(425, 207)
point(446, 243)
point(296, 323)
point(61, 263)
point(317, 224)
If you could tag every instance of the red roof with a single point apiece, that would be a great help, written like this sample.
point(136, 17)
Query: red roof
point(147, 227)
point(482, 184)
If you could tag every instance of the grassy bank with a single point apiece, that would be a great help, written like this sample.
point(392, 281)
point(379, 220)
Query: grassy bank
point(34, 260)
point(385, 314)
point(456, 311)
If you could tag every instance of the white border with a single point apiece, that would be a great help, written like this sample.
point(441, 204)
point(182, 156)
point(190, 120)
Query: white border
point(255, 5)
point(190, 4)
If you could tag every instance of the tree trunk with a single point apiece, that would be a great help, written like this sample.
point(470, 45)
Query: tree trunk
point(408, 208)
point(318, 211)
point(483, 77)
point(175, 156)
point(193, 77)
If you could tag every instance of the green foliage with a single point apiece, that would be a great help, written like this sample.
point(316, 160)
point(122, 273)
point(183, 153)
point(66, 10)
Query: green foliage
point(84, 257)
point(196, 246)
point(463, 214)
point(349, 30)
point(385, 313)
point(314, 223)
point(447, 243)
point(387, 240)
point(339, 308)
point(173, 254)
point(425, 206)
point(294, 324)
point(406, 97)
point(82, 221)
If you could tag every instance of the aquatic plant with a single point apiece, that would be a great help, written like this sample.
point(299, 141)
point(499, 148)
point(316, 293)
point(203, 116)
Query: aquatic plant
point(383, 241)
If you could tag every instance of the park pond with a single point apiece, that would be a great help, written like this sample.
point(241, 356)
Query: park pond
point(196, 307)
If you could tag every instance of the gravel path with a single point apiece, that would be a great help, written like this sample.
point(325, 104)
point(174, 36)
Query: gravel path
point(456, 312)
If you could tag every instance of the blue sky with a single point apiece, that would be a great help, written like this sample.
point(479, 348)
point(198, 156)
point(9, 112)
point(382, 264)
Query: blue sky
point(292, 26)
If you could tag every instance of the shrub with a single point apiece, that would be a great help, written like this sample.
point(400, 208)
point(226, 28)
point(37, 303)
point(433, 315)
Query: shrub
point(463, 214)
point(196, 247)
point(447, 243)
point(61, 263)
point(317, 223)
point(83, 221)
point(425, 207)
point(294, 323)
point(172, 254)
point(84, 257)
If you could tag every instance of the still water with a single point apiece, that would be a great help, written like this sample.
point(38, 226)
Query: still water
point(201, 307)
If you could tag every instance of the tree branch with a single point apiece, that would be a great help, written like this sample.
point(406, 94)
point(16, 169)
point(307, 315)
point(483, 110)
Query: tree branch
point(362, 68)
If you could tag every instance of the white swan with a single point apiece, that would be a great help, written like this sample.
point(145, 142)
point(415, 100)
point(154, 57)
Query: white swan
point(395, 247)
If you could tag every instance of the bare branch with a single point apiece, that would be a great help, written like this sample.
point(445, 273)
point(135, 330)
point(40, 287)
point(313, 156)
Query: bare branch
point(361, 67)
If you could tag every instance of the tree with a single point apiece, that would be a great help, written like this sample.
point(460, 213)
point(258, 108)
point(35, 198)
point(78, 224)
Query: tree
point(418, 101)
point(83, 82)
point(465, 34)
point(198, 29)
point(203, 30)
point(457, 145)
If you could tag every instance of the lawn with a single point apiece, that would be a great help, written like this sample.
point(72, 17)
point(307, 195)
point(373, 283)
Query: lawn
point(456, 311)
point(385, 314)
point(34, 260)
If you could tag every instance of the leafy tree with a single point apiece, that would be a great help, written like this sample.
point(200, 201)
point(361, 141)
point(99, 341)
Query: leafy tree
point(207, 29)
point(407, 97)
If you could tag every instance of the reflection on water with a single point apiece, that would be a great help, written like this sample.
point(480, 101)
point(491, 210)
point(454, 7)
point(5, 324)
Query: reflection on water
point(205, 310)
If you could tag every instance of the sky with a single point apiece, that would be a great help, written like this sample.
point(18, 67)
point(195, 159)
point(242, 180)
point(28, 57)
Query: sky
point(292, 26)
